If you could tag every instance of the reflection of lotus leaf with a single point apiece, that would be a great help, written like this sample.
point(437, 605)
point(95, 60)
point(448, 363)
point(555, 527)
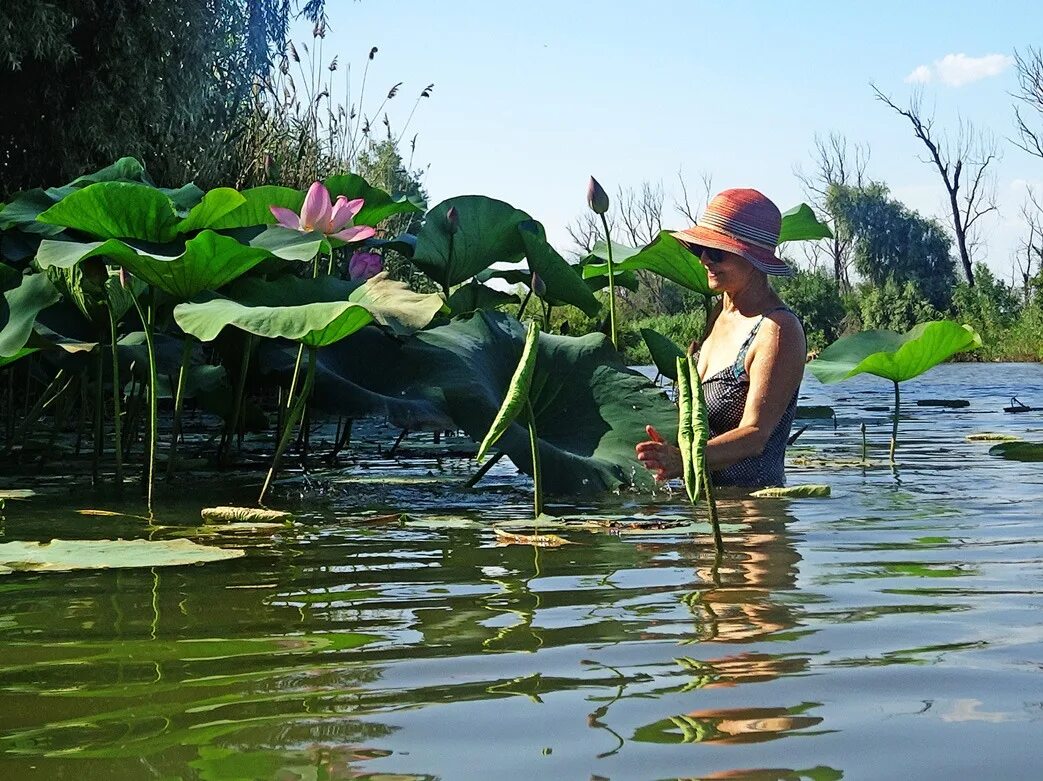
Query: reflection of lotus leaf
point(63, 555)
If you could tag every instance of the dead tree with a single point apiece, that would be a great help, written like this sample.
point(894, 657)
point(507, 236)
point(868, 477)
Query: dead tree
point(835, 166)
point(963, 166)
point(1029, 67)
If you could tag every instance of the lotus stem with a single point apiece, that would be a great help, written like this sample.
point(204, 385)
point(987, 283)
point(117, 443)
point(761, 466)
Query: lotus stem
point(296, 374)
point(99, 420)
point(524, 303)
point(292, 416)
point(34, 413)
point(153, 381)
point(534, 445)
point(711, 511)
point(179, 403)
point(232, 425)
point(863, 428)
point(484, 469)
point(117, 393)
point(894, 423)
point(611, 284)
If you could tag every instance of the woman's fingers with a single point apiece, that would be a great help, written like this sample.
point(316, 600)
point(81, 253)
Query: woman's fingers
point(655, 435)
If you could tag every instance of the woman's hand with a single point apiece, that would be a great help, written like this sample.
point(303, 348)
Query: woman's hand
point(660, 456)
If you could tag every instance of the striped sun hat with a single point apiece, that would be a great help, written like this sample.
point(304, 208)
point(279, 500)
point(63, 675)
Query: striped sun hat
point(744, 222)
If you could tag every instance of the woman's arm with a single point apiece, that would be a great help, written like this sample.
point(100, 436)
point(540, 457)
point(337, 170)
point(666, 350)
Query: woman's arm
point(776, 368)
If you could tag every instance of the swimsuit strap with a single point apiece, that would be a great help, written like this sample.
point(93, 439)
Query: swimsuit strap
point(739, 367)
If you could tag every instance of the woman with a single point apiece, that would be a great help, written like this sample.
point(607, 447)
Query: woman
point(752, 361)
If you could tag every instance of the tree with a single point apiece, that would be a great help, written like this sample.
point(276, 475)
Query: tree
point(814, 297)
point(894, 242)
point(971, 196)
point(834, 166)
point(1029, 67)
point(88, 81)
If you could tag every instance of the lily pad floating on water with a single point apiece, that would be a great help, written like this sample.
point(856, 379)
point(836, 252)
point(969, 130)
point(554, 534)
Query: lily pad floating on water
point(950, 403)
point(539, 540)
point(65, 555)
point(243, 515)
point(990, 436)
point(16, 493)
point(1018, 451)
point(815, 412)
point(794, 492)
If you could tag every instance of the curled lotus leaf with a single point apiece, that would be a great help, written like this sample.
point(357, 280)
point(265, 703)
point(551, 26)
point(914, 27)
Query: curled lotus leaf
point(227, 514)
point(64, 555)
point(895, 357)
point(19, 307)
point(794, 492)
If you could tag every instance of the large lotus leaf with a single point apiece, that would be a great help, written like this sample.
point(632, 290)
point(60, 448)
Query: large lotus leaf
point(64, 555)
point(19, 307)
point(360, 377)
point(255, 208)
point(209, 260)
point(564, 283)
point(378, 205)
point(289, 244)
point(663, 351)
point(801, 224)
point(665, 256)
point(472, 296)
point(6, 359)
point(896, 357)
point(487, 233)
point(117, 210)
point(590, 409)
point(210, 211)
point(24, 208)
point(9, 277)
point(316, 312)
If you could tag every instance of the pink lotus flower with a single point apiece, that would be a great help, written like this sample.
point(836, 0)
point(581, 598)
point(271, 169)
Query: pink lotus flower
point(364, 265)
point(330, 219)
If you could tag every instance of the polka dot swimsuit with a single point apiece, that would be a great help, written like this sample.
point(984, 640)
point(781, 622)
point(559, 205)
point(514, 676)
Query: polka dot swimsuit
point(725, 394)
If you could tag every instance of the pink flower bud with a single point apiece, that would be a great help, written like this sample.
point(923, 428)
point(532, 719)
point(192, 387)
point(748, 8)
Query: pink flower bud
point(453, 218)
point(364, 265)
point(597, 198)
point(539, 287)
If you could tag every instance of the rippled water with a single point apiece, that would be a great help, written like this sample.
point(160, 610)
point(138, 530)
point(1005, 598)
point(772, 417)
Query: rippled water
point(892, 631)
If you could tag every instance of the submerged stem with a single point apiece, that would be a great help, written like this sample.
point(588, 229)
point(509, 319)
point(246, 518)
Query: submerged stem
point(179, 404)
point(153, 380)
point(711, 511)
point(894, 423)
point(294, 415)
point(611, 284)
point(117, 394)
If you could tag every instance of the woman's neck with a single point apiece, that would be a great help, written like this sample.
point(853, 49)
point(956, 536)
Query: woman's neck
point(753, 299)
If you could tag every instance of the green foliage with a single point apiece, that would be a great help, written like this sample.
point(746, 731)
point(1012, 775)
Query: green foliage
point(894, 242)
point(813, 296)
point(990, 306)
point(893, 306)
point(681, 329)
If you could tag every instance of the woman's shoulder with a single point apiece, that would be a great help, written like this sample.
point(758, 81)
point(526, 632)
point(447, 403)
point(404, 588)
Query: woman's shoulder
point(782, 326)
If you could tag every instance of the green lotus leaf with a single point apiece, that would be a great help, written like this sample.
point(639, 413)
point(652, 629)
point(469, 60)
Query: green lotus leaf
point(287, 244)
point(243, 515)
point(487, 234)
point(663, 351)
point(210, 211)
point(665, 256)
point(19, 307)
point(793, 492)
point(472, 296)
point(590, 409)
point(65, 555)
point(254, 210)
point(24, 208)
point(564, 283)
point(117, 210)
point(895, 357)
point(394, 305)
point(209, 261)
point(315, 324)
point(1018, 451)
point(6, 359)
point(378, 205)
point(801, 224)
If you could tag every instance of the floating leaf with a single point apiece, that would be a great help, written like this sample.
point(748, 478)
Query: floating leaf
point(1018, 451)
point(538, 540)
point(16, 493)
point(793, 492)
point(243, 515)
point(988, 436)
point(815, 412)
point(63, 555)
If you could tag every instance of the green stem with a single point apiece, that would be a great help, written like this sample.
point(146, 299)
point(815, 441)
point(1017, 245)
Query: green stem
point(484, 469)
point(894, 424)
point(153, 382)
point(524, 303)
point(232, 427)
point(294, 415)
point(179, 404)
point(296, 374)
point(863, 427)
point(611, 284)
point(117, 393)
point(711, 511)
point(534, 445)
point(99, 419)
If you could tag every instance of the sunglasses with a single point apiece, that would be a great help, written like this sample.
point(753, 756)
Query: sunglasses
point(711, 254)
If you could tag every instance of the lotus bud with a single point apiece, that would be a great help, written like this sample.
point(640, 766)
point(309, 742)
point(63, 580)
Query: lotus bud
point(364, 265)
point(539, 287)
point(453, 218)
point(124, 278)
point(597, 198)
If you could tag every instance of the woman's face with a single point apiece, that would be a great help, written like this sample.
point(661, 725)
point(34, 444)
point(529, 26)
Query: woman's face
point(726, 272)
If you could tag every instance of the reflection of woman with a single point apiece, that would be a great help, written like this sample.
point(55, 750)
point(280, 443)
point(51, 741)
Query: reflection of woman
point(752, 361)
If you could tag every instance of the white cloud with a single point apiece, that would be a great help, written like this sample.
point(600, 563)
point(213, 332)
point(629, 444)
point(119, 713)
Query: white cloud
point(956, 70)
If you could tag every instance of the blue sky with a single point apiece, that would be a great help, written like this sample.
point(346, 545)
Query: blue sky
point(531, 99)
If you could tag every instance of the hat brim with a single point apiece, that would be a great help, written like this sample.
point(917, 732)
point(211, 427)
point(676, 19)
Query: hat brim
point(761, 258)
